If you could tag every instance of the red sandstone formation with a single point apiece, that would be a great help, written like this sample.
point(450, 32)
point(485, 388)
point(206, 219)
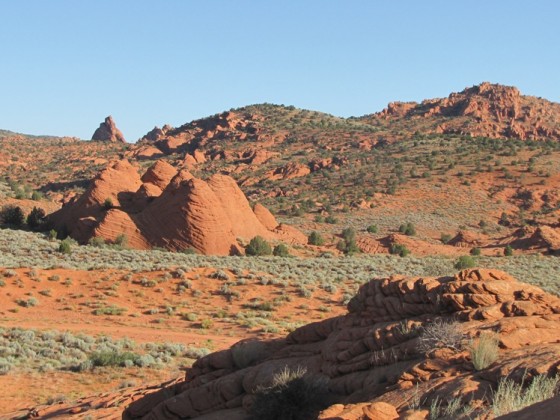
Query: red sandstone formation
point(370, 358)
point(488, 110)
point(109, 132)
point(169, 209)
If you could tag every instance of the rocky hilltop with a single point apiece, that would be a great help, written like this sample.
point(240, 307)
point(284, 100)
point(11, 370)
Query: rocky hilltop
point(168, 208)
point(108, 132)
point(486, 110)
point(377, 361)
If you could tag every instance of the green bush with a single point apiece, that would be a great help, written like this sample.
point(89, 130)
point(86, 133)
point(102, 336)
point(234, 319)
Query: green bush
point(36, 219)
point(407, 229)
point(258, 246)
point(445, 238)
point(36, 196)
point(372, 229)
point(465, 261)
point(399, 249)
point(12, 216)
point(349, 234)
point(111, 358)
point(108, 204)
point(65, 247)
point(508, 251)
point(121, 240)
point(281, 250)
point(476, 252)
point(315, 238)
point(331, 220)
point(292, 395)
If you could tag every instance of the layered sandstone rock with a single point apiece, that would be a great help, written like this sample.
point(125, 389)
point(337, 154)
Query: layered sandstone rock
point(370, 358)
point(166, 208)
point(109, 132)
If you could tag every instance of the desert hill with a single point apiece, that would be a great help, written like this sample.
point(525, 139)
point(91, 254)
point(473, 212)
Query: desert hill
point(324, 173)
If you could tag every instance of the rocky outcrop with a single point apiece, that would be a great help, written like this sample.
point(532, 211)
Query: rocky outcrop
point(545, 239)
point(370, 359)
point(167, 208)
point(108, 132)
point(488, 110)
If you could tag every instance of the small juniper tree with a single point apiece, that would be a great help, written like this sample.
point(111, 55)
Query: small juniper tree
point(258, 246)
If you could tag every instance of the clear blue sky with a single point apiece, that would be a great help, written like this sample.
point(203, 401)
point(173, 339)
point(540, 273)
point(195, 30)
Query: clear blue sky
point(66, 64)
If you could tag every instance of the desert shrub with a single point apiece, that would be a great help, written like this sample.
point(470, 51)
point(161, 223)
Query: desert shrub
point(97, 242)
point(445, 238)
point(12, 216)
point(108, 204)
point(191, 316)
point(315, 238)
point(475, 252)
point(440, 334)
point(399, 249)
point(292, 395)
point(121, 240)
point(52, 234)
point(511, 396)
point(65, 247)
point(407, 229)
point(454, 409)
point(36, 219)
point(349, 235)
point(36, 195)
point(258, 246)
point(372, 229)
point(220, 275)
point(206, 324)
point(465, 261)
point(484, 351)
point(5, 366)
point(331, 220)
point(281, 250)
point(348, 248)
point(27, 303)
point(508, 251)
point(504, 220)
point(109, 310)
point(111, 358)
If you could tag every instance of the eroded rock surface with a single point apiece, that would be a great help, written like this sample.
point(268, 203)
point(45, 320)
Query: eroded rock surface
point(371, 357)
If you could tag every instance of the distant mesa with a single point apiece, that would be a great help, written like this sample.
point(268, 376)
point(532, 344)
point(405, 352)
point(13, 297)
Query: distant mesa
point(108, 132)
point(170, 209)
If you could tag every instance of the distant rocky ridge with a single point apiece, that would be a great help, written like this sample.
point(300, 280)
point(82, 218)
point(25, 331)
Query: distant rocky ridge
point(487, 110)
point(170, 209)
point(109, 132)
